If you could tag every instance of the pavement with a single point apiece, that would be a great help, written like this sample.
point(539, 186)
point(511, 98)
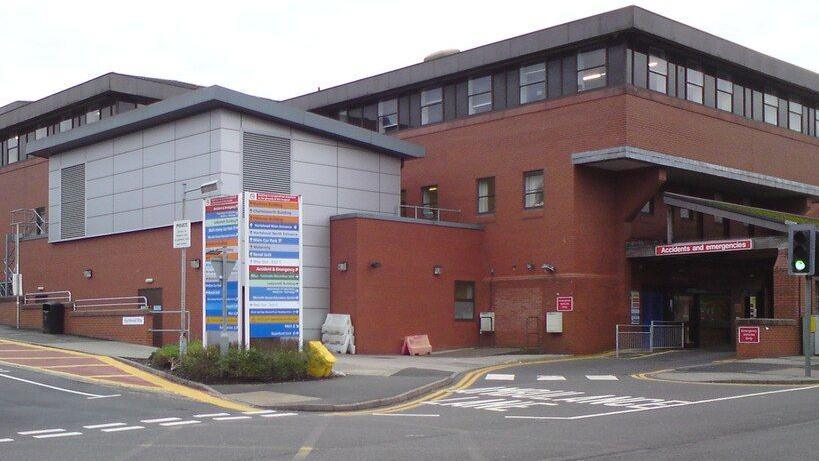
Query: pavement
point(784, 370)
point(77, 343)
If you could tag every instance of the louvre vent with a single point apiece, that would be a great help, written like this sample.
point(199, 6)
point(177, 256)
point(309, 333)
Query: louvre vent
point(266, 164)
point(72, 202)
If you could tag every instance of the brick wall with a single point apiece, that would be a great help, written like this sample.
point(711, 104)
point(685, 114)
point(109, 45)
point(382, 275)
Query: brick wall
point(776, 339)
point(109, 326)
point(30, 317)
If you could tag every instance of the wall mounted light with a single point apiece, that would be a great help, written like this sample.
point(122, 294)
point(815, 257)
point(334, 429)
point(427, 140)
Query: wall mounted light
point(149, 280)
point(375, 264)
point(40, 288)
point(342, 266)
point(196, 263)
point(87, 273)
point(530, 267)
point(547, 267)
point(436, 270)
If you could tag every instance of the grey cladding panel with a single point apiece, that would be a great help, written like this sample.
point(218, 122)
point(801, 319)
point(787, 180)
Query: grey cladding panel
point(72, 199)
point(266, 163)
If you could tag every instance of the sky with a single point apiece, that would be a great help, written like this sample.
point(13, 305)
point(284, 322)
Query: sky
point(280, 49)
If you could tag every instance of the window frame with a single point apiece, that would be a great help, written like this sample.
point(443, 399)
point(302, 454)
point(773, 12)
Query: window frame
point(689, 83)
point(382, 115)
point(472, 287)
point(725, 92)
point(429, 104)
point(9, 149)
point(429, 210)
point(602, 75)
point(798, 113)
point(522, 86)
point(527, 193)
point(657, 54)
point(490, 196)
point(766, 105)
point(470, 95)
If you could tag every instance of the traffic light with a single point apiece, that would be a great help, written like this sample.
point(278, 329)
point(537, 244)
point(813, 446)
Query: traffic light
point(801, 249)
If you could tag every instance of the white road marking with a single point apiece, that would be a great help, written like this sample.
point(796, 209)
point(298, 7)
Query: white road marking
point(6, 440)
point(90, 396)
point(181, 423)
point(499, 377)
point(43, 431)
point(126, 428)
point(602, 378)
point(104, 396)
point(100, 426)
point(420, 415)
point(278, 415)
point(61, 434)
point(258, 412)
point(681, 404)
point(231, 418)
point(211, 415)
point(159, 420)
point(551, 378)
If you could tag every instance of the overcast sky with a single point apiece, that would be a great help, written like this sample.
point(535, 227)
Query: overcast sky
point(280, 49)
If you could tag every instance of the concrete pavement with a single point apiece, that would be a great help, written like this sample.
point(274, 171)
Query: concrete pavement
point(782, 370)
point(77, 343)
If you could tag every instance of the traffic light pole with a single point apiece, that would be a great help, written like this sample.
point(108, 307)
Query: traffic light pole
point(806, 342)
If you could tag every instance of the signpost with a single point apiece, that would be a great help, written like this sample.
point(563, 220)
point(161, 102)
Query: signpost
point(221, 238)
point(223, 267)
point(182, 234)
point(635, 307)
point(565, 303)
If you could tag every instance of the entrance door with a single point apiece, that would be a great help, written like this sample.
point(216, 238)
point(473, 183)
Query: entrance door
point(684, 309)
point(715, 320)
point(154, 298)
point(652, 306)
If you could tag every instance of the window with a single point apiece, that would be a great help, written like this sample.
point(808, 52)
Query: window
point(432, 106)
point(591, 69)
point(657, 73)
point(342, 116)
point(387, 115)
point(429, 202)
point(41, 133)
point(533, 189)
point(795, 116)
point(13, 149)
point(533, 83)
point(480, 94)
point(771, 109)
point(693, 85)
point(725, 95)
point(486, 195)
point(648, 208)
point(464, 300)
point(93, 116)
point(66, 125)
point(685, 213)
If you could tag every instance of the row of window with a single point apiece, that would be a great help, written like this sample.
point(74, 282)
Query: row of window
point(485, 193)
point(654, 71)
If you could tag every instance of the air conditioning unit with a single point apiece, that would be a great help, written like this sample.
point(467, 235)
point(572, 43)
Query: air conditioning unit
point(487, 322)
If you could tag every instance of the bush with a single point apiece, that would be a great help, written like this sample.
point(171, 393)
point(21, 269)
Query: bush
point(201, 364)
point(166, 357)
point(247, 365)
point(289, 365)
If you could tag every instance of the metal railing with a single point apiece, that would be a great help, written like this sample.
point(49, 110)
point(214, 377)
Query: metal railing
point(648, 338)
point(43, 297)
point(425, 212)
point(116, 304)
point(667, 335)
point(187, 323)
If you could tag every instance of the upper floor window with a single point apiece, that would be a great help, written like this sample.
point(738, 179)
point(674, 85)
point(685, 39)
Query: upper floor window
point(41, 133)
point(591, 69)
point(657, 72)
point(795, 116)
point(464, 300)
point(429, 201)
point(771, 109)
point(432, 106)
point(387, 115)
point(725, 95)
point(486, 195)
point(533, 83)
point(66, 125)
point(13, 149)
point(479, 91)
point(693, 85)
point(533, 189)
point(93, 116)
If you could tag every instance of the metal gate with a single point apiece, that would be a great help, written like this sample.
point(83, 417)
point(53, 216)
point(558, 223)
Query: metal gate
point(648, 338)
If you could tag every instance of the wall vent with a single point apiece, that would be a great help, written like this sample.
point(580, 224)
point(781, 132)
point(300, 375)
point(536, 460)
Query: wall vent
point(266, 163)
point(72, 202)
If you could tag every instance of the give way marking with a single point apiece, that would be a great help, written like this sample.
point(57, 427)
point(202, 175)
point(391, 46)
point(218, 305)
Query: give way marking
point(61, 389)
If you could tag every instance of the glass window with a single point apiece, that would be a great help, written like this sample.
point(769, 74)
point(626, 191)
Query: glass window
point(66, 125)
point(480, 94)
point(771, 109)
point(342, 116)
point(725, 95)
point(464, 300)
point(685, 213)
point(795, 116)
point(432, 106)
point(41, 133)
point(429, 201)
point(693, 85)
point(13, 148)
point(387, 115)
point(657, 73)
point(93, 116)
point(533, 189)
point(648, 208)
point(486, 195)
point(533, 83)
point(591, 69)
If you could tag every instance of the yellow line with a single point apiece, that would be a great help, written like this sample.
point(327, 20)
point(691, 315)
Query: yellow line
point(78, 366)
point(109, 376)
point(647, 377)
point(42, 358)
point(303, 453)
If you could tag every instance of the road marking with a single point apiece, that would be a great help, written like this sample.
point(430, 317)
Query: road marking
point(278, 415)
point(211, 415)
point(159, 420)
point(258, 412)
point(499, 377)
point(6, 440)
point(303, 453)
point(101, 426)
point(181, 423)
point(61, 434)
point(551, 378)
point(231, 418)
point(602, 378)
point(419, 415)
point(126, 428)
point(104, 396)
point(44, 431)
point(97, 396)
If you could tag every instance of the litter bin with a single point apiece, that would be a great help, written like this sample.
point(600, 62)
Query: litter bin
point(53, 318)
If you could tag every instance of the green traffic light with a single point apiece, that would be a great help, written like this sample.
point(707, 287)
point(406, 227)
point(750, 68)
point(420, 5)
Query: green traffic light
point(799, 265)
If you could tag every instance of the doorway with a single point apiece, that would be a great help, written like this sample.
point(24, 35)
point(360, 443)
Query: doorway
point(153, 297)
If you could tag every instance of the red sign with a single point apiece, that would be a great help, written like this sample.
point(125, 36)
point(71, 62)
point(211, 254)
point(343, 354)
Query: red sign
point(565, 303)
point(748, 335)
point(714, 246)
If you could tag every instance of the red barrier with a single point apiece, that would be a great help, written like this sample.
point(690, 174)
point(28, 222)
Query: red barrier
point(416, 345)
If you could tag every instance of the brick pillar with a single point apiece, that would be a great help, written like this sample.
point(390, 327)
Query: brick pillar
point(788, 291)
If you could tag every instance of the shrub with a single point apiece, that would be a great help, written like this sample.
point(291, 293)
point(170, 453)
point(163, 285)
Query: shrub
point(289, 365)
point(166, 357)
point(201, 364)
point(247, 365)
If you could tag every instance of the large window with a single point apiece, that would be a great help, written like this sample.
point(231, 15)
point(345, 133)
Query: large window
point(771, 109)
point(693, 85)
point(93, 116)
point(532, 83)
point(795, 116)
point(429, 202)
point(486, 195)
point(432, 106)
point(725, 95)
point(13, 149)
point(591, 69)
point(657, 72)
point(480, 94)
point(533, 189)
point(41, 133)
point(387, 115)
point(66, 125)
point(464, 300)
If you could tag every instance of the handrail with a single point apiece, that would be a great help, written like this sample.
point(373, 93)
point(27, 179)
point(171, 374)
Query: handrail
point(430, 212)
point(126, 302)
point(42, 297)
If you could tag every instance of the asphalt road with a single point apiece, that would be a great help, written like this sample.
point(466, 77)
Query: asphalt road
point(581, 409)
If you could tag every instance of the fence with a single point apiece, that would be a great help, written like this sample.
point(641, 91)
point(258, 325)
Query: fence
point(647, 338)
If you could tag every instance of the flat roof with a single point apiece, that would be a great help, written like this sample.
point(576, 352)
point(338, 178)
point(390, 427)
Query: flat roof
point(213, 97)
point(620, 20)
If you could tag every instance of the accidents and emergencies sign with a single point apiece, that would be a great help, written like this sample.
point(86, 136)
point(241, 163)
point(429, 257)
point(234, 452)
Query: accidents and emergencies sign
point(182, 234)
point(716, 246)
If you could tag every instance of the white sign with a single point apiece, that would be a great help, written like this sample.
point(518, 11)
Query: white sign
point(182, 234)
point(129, 321)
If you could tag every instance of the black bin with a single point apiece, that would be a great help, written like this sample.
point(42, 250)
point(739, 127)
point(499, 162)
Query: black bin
point(53, 318)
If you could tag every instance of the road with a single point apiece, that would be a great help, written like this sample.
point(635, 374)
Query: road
point(576, 409)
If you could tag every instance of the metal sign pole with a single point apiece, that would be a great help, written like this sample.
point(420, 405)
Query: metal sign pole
point(806, 344)
point(183, 256)
point(223, 334)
